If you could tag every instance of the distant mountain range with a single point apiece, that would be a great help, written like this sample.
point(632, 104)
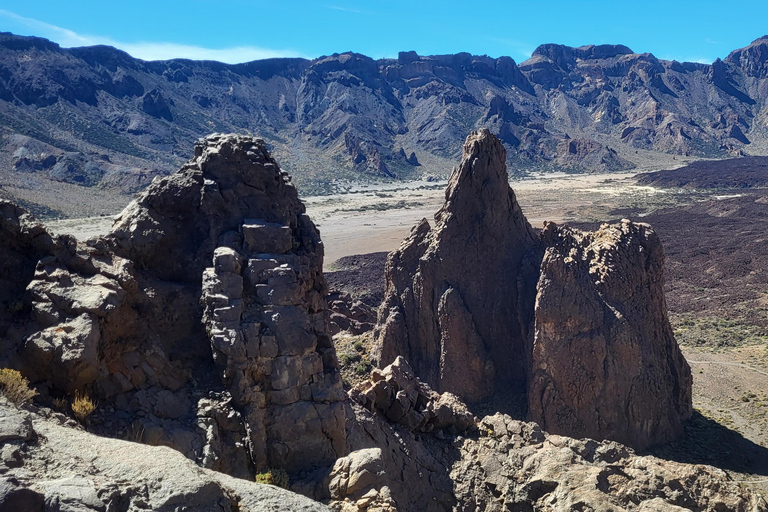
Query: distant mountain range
point(97, 116)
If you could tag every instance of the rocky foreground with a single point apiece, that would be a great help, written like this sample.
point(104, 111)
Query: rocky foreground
point(200, 323)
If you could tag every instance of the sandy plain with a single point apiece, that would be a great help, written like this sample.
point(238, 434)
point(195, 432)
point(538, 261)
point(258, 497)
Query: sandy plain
point(373, 218)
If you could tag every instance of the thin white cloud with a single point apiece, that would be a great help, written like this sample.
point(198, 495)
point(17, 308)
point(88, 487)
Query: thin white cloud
point(711, 41)
point(147, 50)
point(344, 9)
point(698, 60)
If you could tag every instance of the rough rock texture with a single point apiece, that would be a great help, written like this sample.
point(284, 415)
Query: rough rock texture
point(396, 393)
point(514, 465)
point(61, 468)
point(605, 363)
point(349, 315)
point(215, 269)
point(23, 242)
point(453, 306)
point(475, 309)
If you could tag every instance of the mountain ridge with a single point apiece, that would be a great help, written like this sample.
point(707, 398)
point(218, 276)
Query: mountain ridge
point(97, 116)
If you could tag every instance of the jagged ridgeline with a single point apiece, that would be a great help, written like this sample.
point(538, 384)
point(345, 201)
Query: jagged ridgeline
point(200, 322)
point(95, 115)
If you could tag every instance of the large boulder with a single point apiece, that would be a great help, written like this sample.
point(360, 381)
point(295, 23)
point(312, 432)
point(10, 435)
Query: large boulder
point(456, 306)
point(605, 363)
point(63, 468)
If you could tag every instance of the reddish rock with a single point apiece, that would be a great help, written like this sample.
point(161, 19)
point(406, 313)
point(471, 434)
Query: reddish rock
point(605, 363)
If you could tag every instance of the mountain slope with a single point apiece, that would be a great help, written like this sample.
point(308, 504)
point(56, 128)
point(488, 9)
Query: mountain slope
point(97, 116)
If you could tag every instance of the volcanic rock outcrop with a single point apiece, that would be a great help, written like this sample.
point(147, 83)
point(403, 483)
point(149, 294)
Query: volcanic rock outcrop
point(396, 393)
point(573, 324)
point(605, 363)
point(215, 269)
point(455, 302)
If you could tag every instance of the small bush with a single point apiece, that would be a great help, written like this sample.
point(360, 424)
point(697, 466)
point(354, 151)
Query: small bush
point(15, 387)
point(273, 476)
point(82, 406)
point(60, 404)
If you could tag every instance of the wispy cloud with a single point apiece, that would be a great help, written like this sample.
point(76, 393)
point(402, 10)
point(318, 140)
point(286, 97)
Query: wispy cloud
point(711, 41)
point(344, 9)
point(149, 50)
point(698, 59)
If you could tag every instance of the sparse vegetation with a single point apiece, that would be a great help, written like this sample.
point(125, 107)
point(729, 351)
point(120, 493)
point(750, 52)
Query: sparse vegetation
point(354, 360)
point(274, 476)
point(82, 406)
point(60, 404)
point(15, 387)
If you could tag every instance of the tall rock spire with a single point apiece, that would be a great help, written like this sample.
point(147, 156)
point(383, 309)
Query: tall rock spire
point(453, 305)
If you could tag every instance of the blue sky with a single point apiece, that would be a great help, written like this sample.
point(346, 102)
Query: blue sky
point(243, 30)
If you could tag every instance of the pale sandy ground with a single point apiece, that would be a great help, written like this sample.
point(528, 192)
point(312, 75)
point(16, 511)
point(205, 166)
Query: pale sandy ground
point(378, 217)
point(731, 387)
point(348, 225)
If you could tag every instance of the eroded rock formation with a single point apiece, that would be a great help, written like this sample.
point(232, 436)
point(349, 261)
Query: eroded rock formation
point(396, 393)
point(479, 303)
point(215, 269)
point(515, 465)
point(455, 302)
point(201, 323)
point(605, 362)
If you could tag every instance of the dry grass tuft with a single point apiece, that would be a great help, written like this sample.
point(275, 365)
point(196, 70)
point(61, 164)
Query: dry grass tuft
point(15, 387)
point(60, 404)
point(82, 406)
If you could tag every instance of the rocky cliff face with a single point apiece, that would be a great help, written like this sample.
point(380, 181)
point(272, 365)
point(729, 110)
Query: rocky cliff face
point(605, 363)
point(96, 115)
point(453, 307)
point(215, 269)
point(573, 324)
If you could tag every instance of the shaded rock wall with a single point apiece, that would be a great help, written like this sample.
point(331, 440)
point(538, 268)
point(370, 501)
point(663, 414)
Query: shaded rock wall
point(454, 307)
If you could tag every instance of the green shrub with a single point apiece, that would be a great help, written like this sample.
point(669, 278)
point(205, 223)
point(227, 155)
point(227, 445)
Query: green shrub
point(274, 476)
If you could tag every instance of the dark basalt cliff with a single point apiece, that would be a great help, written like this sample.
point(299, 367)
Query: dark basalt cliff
point(96, 115)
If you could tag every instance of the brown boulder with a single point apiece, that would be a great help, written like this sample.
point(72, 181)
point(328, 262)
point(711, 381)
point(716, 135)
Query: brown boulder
point(396, 393)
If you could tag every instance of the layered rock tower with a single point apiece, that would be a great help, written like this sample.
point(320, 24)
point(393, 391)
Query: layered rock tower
point(574, 324)
point(213, 268)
